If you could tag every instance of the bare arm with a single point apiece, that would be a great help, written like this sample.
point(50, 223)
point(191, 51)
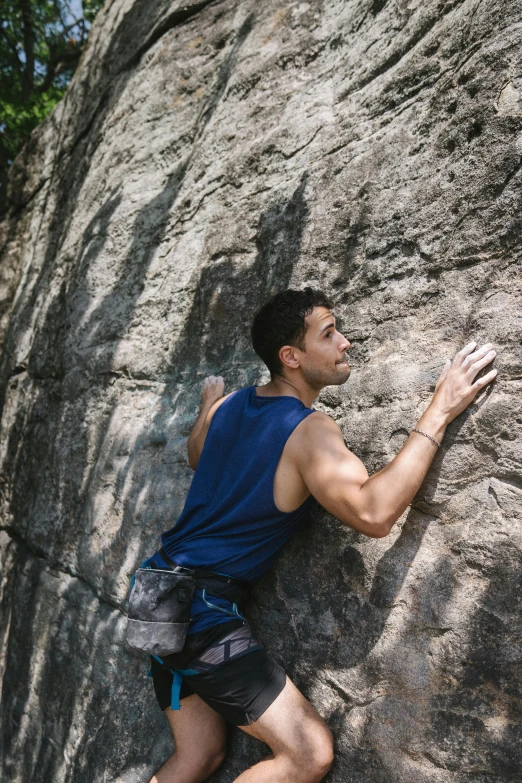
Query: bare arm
point(211, 399)
point(371, 505)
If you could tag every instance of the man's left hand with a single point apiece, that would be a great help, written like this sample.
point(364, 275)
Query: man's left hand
point(213, 388)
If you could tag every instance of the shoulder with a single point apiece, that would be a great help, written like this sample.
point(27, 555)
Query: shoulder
point(320, 422)
point(313, 430)
point(217, 404)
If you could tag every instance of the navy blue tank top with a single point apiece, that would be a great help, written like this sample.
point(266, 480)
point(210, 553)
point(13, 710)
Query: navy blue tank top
point(230, 523)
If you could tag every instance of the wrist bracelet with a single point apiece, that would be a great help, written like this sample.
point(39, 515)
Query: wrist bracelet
point(426, 436)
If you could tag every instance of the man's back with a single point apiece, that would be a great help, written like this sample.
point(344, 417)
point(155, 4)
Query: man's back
point(230, 522)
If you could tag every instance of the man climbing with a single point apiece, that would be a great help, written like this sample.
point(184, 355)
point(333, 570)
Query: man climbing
point(261, 456)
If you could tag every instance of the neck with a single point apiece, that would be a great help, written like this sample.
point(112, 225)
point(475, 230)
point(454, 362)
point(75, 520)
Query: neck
point(292, 387)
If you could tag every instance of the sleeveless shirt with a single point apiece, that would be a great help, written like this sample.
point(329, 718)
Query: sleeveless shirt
point(230, 523)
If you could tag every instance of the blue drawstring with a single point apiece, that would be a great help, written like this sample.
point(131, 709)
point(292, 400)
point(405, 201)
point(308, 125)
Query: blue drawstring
point(233, 613)
point(177, 680)
point(176, 688)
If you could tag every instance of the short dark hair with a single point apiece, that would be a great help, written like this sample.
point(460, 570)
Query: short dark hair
point(281, 321)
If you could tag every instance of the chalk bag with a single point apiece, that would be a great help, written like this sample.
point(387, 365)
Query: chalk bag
point(159, 610)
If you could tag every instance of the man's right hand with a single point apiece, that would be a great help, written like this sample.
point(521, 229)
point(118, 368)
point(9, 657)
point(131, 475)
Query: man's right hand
point(372, 504)
point(457, 387)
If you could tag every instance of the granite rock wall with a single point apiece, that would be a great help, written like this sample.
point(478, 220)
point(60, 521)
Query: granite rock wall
point(206, 155)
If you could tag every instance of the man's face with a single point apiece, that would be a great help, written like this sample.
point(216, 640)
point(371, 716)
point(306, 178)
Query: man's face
point(324, 362)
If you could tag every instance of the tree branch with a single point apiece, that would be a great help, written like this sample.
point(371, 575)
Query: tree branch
point(57, 62)
point(17, 63)
point(29, 38)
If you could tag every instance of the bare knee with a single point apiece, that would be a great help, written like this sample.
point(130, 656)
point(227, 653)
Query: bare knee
point(195, 766)
point(310, 762)
point(323, 762)
point(215, 759)
point(319, 755)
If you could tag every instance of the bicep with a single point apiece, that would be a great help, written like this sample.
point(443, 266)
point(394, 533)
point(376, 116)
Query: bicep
point(333, 474)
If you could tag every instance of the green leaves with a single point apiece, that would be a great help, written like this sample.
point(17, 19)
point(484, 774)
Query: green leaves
point(41, 42)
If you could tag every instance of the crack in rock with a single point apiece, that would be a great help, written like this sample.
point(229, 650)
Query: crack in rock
point(56, 566)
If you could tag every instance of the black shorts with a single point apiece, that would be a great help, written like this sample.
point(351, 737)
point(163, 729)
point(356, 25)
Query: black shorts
point(240, 689)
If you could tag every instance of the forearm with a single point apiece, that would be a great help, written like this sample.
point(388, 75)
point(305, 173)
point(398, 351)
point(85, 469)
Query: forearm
point(371, 505)
point(386, 494)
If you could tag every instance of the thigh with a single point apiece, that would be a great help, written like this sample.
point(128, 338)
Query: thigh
point(291, 724)
point(198, 731)
point(235, 677)
point(242, 689)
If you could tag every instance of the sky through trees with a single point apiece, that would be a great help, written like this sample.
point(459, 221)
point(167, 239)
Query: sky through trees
point(41, 42)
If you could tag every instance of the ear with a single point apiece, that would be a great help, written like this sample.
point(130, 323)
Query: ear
point(289, 356)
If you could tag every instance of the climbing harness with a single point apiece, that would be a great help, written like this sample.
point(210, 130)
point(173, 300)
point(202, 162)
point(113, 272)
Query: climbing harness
point(233, 645)
point(159, 616)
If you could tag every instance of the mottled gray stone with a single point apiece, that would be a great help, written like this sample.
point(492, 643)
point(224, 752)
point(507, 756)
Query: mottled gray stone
point(206, 155)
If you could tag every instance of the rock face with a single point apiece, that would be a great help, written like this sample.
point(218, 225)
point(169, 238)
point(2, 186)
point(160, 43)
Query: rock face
point(208, 154)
